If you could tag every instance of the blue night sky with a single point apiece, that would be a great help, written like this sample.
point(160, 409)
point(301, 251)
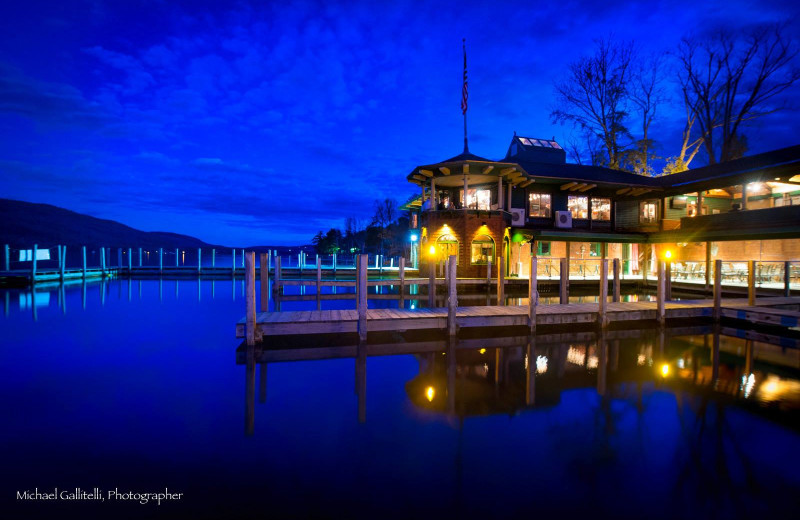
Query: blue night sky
point(263, 123)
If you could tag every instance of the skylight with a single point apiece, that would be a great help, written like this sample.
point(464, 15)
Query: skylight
point(540, 143)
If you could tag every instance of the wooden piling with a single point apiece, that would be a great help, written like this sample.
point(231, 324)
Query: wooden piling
point(83, 261)
point(489, 273)
point(264, 278)
point(533, 297)
point(661, 293)
point(63, 257)
point(501, 280)
point(563, 287)
point(751, 282)
point(668, 281)
point(103, 262)
point(276, 286)
point(717, 289)
point(603, 298)
point(319, 276)
point(6, 258)
point(250, 298)
point(160, 260)
point(177, 257)
point(130, 260)
point(787, 279)
point(199, 261)
point(140, 257)
point(431, 284)
point(361, 294)
point(233, 261)
point(452, 295)
point(33, 264)
point(213, 258)
point(300, 262)
point(617, 281)
point(708, 267)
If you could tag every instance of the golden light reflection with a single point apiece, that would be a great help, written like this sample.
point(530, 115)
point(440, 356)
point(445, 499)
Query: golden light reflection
point(664, 370)
point(482, 351)
point(430, 393)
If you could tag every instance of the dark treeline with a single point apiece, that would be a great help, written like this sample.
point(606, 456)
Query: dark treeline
point(717, 84)
point(386, 233)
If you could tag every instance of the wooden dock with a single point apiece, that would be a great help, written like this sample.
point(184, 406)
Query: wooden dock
point(346, 321)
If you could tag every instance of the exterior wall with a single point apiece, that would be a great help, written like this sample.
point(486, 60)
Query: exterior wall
point(464, 226)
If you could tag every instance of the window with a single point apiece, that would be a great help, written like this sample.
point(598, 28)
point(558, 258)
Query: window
point(601, 209)
point(446, 245)
point(482, 250)
point(477, 199)
point(539, 204)
point(413, 221)
point(578, 206)
point(543, 248)
point(648, 212)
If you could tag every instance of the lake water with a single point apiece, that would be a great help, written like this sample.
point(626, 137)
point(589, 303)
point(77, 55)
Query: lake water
point(143, 386)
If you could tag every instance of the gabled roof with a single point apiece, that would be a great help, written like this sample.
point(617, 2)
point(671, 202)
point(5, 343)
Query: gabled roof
point(595, 174)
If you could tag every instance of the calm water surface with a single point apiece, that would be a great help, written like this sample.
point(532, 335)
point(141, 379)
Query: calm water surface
point(143, 386)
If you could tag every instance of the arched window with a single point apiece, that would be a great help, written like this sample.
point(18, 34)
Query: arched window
point(447, 245)
point(482, 250)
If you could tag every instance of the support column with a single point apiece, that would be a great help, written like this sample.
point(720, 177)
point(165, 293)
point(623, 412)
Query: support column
point(501, 280)
point(708, 266)
point(466, 188)
point(563, 287)
point(787, 279)
point(402, 271)
point(499, 192)
point(264, 279)
point(744, 196)
point(250, 298)
point(361, 294)
point(431, 283)
point(751, 282)
point(603, 298)
point(617, 281)
point(533, 299)
point(276, 286)
point(661, 293)
point(452, 296)
point(717, 289)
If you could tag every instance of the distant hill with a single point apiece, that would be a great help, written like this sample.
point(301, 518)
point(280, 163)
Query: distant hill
point(27, 223)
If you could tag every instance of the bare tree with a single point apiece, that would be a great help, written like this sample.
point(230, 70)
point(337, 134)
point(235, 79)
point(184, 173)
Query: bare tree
point(730, 79)
point(646, 94)
point(689, 146)
point(385, 212)
point(594, 97)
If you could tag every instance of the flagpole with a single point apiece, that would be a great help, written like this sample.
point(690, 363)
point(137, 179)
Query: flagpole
point(464, 95)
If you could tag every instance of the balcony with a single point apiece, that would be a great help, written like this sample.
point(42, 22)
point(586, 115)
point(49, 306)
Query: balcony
point(767, 218)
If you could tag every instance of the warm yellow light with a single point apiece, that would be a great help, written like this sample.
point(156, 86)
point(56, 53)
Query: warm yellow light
point(668, 254)
point(432, 250)
point(664, 370)
point(429, 393)
point(482, 351)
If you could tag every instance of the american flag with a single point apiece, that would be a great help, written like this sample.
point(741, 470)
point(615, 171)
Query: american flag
point(464, 91)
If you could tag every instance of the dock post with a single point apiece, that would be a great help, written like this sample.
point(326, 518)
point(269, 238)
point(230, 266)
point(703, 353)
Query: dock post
point(501, 280)
point(533, 297)
point(617, 281)
point(603, 298)
point(102, 262)
point(140, 257)
point(199, 260)
point(83, 257)
point(130, 261)
point(489, 273)
point(708, 267)
point(334, 264)
point(361, 294)
point(787, 278)
point(431, 284)
point(160, 260)
point(213, 258)
point(380, 265)
point(6, 258)
point(402, 271)
point(452, 295)
point(276, 286)
point(319, 276)
point(233, 261)
point(751, 282)
point(63, 256)
point(661, 293)
point(300, 262)
point(717, 289)
point(250, 298)
point(668, 281)
point(563, 287)
point(264, 277)
point(177, 257)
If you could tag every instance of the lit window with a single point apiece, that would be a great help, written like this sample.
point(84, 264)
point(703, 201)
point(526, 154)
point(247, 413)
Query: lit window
point(446, 245)
point(525, 141)
point(555, 145)
point(648, 212)
point(482, 250)
point(477, 199)
point(601, 209)
point(539, 204)
point(578, 206)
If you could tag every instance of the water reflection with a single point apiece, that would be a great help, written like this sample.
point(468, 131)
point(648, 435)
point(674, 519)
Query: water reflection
point(461, 378)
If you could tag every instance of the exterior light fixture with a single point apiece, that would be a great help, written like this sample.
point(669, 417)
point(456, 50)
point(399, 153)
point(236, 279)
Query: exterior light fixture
point(430, 393)
point(668, 254)
point(432, 250)
point(414, 237)
point(664, 370)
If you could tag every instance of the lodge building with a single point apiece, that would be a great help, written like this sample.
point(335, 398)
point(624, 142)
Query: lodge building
point(533, 203)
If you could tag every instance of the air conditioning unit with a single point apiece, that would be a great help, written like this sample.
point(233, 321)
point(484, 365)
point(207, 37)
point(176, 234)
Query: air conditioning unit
point(563, 219)
point(518, 216)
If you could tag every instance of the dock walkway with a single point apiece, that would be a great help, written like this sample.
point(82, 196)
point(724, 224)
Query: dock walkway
point(346, 321)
